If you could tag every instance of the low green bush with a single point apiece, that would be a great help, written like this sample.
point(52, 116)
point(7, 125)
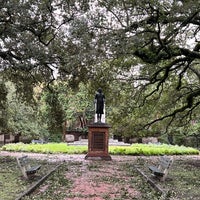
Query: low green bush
point(134, 149)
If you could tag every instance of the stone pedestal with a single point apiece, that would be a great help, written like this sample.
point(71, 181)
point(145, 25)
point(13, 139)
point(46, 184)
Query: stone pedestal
point(98, 135)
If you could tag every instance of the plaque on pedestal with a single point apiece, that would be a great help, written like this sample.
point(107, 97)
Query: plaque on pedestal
point(98, 142)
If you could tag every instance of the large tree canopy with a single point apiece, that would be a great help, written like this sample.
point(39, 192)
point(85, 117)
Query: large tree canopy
point(146, 53)
point(33, 40)
point(154, 46)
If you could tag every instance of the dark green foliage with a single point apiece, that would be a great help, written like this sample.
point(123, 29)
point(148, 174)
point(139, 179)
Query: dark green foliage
point(144, 54)
point(3, 107)
point(55, 113)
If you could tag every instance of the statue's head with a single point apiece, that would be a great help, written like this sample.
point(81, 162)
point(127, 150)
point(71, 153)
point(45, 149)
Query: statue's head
point(99, 90)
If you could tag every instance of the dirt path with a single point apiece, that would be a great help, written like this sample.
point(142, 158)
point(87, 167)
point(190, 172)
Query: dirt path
point(99, 180)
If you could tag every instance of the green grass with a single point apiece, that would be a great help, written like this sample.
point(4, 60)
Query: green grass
point(135, 149)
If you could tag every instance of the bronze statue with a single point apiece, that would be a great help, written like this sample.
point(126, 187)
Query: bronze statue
point(99, 100)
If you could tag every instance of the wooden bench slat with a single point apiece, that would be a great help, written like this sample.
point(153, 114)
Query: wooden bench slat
point(165, 162)
point(156, 171)
point(33, 170)
point(162, 169)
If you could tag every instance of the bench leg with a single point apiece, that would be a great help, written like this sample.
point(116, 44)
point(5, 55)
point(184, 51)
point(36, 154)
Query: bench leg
point(164, 176)
point(24, 172)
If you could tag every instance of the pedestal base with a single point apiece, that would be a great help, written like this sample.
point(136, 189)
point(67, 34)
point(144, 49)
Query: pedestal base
point(98, 142)
point(95, 157)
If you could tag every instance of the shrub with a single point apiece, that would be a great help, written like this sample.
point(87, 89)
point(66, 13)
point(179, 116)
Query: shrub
point(135, 149)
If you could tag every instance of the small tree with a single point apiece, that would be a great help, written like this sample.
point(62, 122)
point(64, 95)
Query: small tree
point(54, 112)
point(22, 117)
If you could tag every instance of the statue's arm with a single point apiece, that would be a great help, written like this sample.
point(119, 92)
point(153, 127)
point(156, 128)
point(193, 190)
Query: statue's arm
point(95, 99)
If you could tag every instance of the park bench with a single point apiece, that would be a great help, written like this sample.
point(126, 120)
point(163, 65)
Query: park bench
point(162, 169)
point(26, 169)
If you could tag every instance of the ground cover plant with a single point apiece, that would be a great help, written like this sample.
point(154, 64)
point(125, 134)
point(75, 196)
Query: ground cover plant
point(45, 148)
point(12, 183)
point(153, 149)
point(135, 149)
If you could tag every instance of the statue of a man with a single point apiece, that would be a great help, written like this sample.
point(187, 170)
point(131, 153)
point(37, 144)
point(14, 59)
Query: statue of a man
point(99, 100)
